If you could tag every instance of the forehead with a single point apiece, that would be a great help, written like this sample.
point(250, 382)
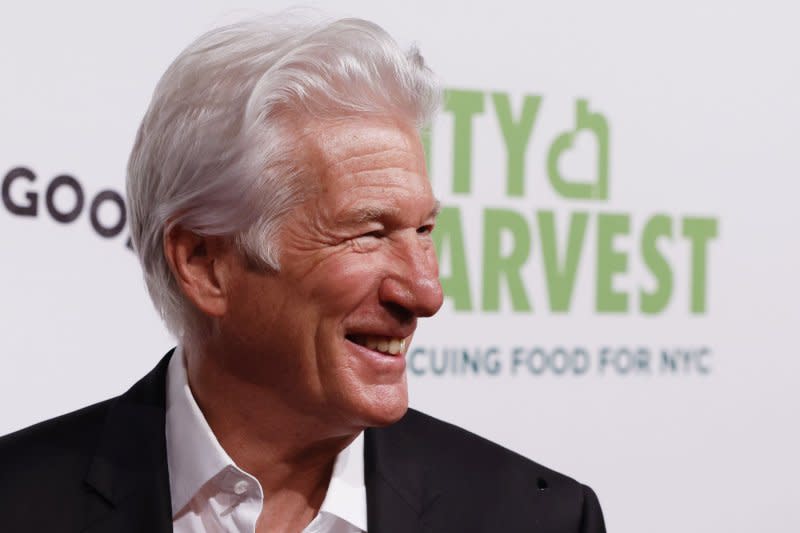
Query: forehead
point(368, 158)
point(347, 146)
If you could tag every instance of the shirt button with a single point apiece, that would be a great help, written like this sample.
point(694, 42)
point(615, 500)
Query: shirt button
point(241, 487)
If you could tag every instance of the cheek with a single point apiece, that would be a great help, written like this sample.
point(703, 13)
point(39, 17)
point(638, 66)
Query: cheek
point(346, 280)
point(258, 306)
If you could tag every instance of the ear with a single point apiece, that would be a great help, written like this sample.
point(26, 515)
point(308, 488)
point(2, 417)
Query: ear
point(198, 264)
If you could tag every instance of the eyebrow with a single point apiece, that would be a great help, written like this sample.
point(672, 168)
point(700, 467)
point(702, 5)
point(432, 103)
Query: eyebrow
point(437, 207)
point(372, 213)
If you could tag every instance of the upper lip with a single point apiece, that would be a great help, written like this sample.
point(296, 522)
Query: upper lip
point(392, 332)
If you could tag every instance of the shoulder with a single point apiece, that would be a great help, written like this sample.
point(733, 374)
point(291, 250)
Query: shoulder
point(54, 437)
point(490, 480)
point(448, 446)
point(51, 454)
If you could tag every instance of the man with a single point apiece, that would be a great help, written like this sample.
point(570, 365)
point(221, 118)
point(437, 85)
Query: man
point(282, 214)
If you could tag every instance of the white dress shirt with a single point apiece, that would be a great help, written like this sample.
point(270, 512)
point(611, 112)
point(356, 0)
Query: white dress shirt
point(211, 494)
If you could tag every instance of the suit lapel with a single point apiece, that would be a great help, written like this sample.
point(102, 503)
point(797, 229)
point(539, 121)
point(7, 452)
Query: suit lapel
point(400, 491)
point(130, 478)
point(129, 470)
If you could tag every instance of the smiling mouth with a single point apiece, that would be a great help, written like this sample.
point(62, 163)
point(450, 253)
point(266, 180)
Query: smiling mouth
point(384, 345)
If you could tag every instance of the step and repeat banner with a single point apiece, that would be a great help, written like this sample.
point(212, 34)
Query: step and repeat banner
point(618, 240)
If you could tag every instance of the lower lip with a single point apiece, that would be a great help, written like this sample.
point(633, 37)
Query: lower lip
point(380, 362)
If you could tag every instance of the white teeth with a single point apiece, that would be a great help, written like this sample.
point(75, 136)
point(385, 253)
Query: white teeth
point(388, 345)
point(394, 346)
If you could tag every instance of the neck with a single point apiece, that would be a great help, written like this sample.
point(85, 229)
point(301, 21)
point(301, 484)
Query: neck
point(290, 452)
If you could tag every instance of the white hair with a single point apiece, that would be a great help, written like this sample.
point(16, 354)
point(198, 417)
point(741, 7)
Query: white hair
point(217, 154)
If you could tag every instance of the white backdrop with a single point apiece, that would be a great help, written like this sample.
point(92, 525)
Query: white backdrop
point(700, 100)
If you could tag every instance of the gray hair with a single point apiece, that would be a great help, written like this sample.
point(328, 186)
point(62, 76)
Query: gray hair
point(216, 152)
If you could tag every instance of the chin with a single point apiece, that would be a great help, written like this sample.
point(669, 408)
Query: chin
point(383, 406)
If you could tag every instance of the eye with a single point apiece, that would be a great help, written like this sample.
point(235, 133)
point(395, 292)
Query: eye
point(377, 234)
point(367, 241)
point(425, 230)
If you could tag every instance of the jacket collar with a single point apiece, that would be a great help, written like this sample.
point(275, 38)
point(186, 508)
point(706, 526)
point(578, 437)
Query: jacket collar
point(400, 488)
point(129, 470)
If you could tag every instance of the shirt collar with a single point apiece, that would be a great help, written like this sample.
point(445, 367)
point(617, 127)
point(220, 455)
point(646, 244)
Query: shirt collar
point(347, 494)
point(194, 455)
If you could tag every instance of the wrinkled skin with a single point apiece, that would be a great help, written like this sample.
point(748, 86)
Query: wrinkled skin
point(356, 259)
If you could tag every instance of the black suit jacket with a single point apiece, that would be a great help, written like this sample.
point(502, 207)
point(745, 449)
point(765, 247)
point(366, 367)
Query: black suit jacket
point(104, 469)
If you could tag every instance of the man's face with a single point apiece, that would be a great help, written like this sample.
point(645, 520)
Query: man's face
point(330, 330)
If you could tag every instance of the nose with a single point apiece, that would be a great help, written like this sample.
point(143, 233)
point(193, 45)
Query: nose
point(413, 283)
